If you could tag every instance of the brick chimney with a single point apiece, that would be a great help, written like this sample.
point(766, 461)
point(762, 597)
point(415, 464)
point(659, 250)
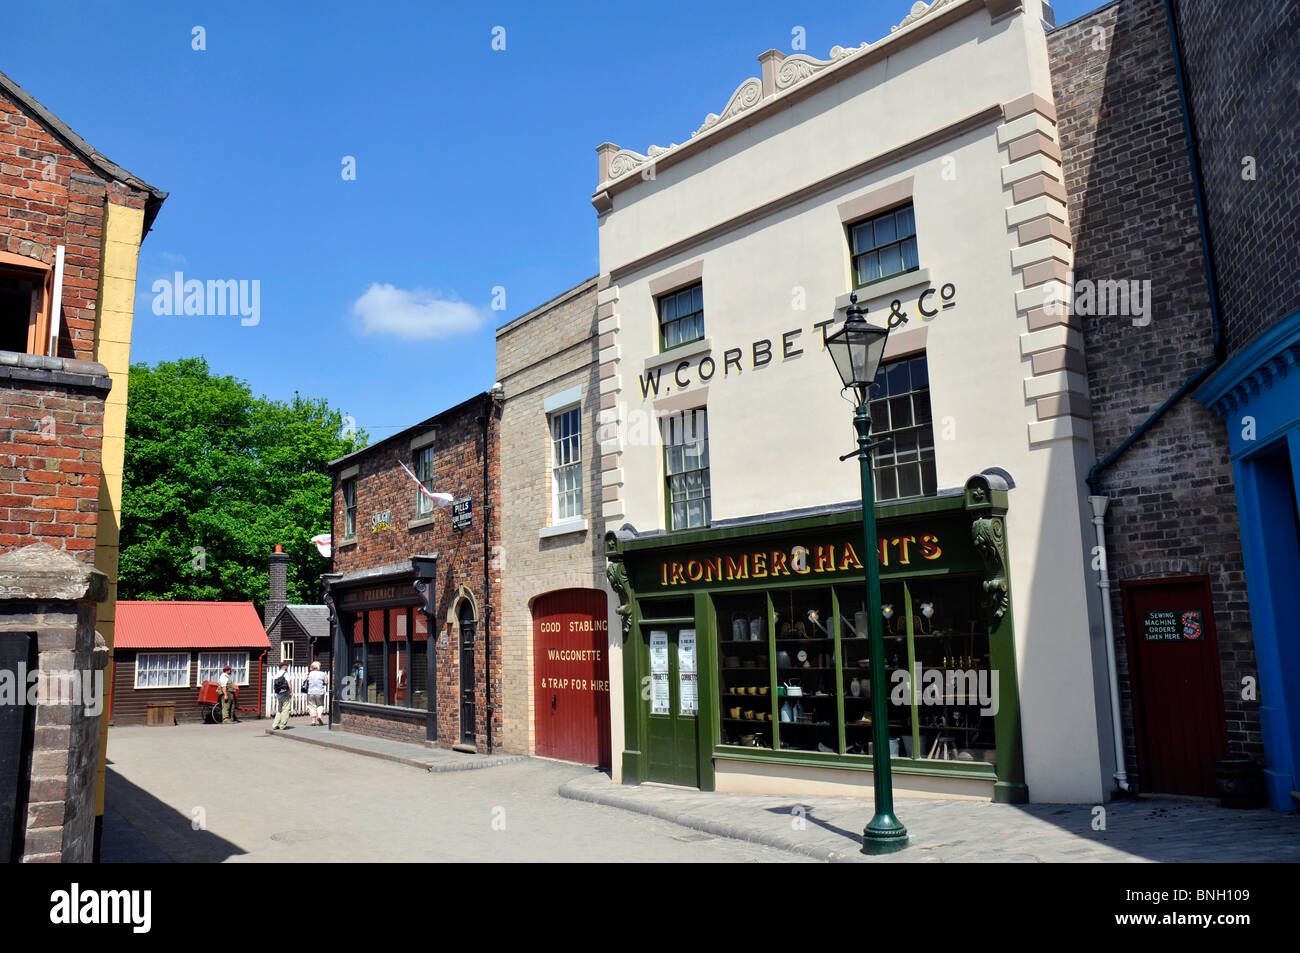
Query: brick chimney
point(277, 597)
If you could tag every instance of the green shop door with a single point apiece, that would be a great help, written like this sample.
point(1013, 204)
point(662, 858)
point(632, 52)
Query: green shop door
point(673, 732)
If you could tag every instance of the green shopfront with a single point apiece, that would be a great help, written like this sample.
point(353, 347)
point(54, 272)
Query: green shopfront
point(746, 664)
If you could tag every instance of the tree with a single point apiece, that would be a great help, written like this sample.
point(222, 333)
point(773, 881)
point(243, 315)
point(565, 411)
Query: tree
point(214, 478)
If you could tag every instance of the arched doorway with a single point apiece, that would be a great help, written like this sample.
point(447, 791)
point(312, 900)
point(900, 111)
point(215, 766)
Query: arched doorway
point(571, 675)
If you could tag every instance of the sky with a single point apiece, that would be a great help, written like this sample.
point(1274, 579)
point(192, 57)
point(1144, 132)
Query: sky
point(398, 178)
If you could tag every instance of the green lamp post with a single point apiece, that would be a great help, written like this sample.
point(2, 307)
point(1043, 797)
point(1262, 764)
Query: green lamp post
point(857, 349)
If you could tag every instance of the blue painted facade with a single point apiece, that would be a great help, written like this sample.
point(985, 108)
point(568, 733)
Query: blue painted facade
point(1257, 393)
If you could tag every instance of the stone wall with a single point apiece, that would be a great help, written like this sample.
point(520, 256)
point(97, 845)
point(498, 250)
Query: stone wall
point(49, 594)
point(545, 352)
point(1133, 216)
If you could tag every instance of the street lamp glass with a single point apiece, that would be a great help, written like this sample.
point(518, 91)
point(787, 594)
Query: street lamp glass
point(857, 349)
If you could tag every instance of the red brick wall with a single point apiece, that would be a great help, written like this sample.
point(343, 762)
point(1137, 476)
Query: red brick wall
point(50, 436)
point(458, 470)
point(44, 204)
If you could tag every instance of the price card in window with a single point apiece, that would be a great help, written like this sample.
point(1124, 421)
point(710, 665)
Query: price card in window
point(659, 673)
point(687, 680)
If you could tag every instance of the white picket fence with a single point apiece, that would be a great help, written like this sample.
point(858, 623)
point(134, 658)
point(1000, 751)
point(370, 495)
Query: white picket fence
point(298, 702)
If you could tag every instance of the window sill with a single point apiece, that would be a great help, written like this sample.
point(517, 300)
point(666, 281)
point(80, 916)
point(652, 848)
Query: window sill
point(885, 286)
point(562, 529)
point(421, 521)
point(350, 541)
point(679, 353)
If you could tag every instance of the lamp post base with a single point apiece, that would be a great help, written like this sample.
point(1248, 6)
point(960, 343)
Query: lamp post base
point(884, 834)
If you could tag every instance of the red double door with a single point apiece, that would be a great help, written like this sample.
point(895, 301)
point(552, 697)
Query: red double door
point(1177, 685)
point(571, 675)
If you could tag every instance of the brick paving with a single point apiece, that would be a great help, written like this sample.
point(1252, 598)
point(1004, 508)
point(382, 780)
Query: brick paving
point(830, 828)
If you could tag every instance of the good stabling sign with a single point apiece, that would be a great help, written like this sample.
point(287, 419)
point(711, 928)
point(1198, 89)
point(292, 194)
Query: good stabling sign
point(1172, 625)
point(462, 513)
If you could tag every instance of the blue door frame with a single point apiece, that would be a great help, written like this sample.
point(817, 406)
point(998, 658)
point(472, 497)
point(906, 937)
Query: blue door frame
point(1257, 393)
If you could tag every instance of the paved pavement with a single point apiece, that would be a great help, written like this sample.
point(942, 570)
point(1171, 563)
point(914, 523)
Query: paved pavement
point(334, 796)
point(830, 828)
point(233, 793)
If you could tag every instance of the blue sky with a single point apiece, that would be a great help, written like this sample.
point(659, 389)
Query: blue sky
point(474, 166)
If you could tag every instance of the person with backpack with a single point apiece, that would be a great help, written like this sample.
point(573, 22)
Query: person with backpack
point(283, 693)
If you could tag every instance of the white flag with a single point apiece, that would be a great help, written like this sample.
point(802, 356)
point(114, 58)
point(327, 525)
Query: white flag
point(324, 543)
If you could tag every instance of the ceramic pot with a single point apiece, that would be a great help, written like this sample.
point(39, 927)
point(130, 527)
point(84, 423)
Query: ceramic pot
point(856, 688)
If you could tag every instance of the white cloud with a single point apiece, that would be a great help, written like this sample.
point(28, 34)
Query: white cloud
point(413, 315)
point(174, 258)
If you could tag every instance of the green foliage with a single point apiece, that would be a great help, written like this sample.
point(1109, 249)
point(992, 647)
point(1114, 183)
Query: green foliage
point(214, 478)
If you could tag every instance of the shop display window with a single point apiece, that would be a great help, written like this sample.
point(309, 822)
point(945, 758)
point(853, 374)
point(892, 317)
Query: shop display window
point(942, 693)
point(399, 658)
point(419, 661)
point(373, 691)
point(748, 710)
point(789, 681)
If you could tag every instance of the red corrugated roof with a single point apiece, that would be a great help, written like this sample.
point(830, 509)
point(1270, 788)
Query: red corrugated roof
point(188, 625)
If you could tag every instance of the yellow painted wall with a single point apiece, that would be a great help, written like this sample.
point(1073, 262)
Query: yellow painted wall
point(123, 228)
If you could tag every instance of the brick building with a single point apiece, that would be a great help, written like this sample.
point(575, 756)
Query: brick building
point(409, 570)
point(71, 223)
point(1168, 215)
point(556, 604)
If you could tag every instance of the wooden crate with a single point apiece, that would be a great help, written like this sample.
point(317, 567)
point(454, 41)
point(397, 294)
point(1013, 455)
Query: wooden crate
point(161, 713)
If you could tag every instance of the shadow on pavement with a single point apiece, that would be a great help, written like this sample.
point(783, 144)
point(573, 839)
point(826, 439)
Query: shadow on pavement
point(139, 828)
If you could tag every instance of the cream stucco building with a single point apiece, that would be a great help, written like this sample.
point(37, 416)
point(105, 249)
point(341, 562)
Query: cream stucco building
point(923, 171)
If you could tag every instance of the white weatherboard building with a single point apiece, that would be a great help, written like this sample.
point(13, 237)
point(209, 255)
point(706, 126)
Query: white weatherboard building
point(923, 171)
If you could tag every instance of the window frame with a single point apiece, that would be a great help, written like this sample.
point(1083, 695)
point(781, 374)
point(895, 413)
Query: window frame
point(140, 656)
point(660, 302)
point(223, 659)
point(668, 474)
point(575, 465)
point(41, 275)
point(422, 467)
point(850, 230)
point(349, 508)
point(878, 395)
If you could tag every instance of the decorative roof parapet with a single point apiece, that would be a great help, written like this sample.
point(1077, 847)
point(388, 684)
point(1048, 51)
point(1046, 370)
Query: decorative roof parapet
point(746, 96)
point(798, 67)
point(919, 9)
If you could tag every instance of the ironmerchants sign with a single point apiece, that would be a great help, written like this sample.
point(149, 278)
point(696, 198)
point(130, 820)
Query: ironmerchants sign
point(824, 554)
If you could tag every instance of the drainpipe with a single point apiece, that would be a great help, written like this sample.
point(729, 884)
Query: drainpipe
point(1096, 498)
point(485, 420)
point(1098, 504)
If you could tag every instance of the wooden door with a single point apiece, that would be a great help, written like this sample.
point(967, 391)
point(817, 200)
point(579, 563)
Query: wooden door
point(672, 729)
point(468, 710)
point(1176, 684)
point(17, 659)
point(571, 662)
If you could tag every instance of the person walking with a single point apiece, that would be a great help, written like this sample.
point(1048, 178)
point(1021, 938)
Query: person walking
point(317, 686)
point(283, 693)
point(229, 692)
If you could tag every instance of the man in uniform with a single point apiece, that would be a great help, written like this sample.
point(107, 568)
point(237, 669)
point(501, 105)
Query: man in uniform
point(228, 691)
